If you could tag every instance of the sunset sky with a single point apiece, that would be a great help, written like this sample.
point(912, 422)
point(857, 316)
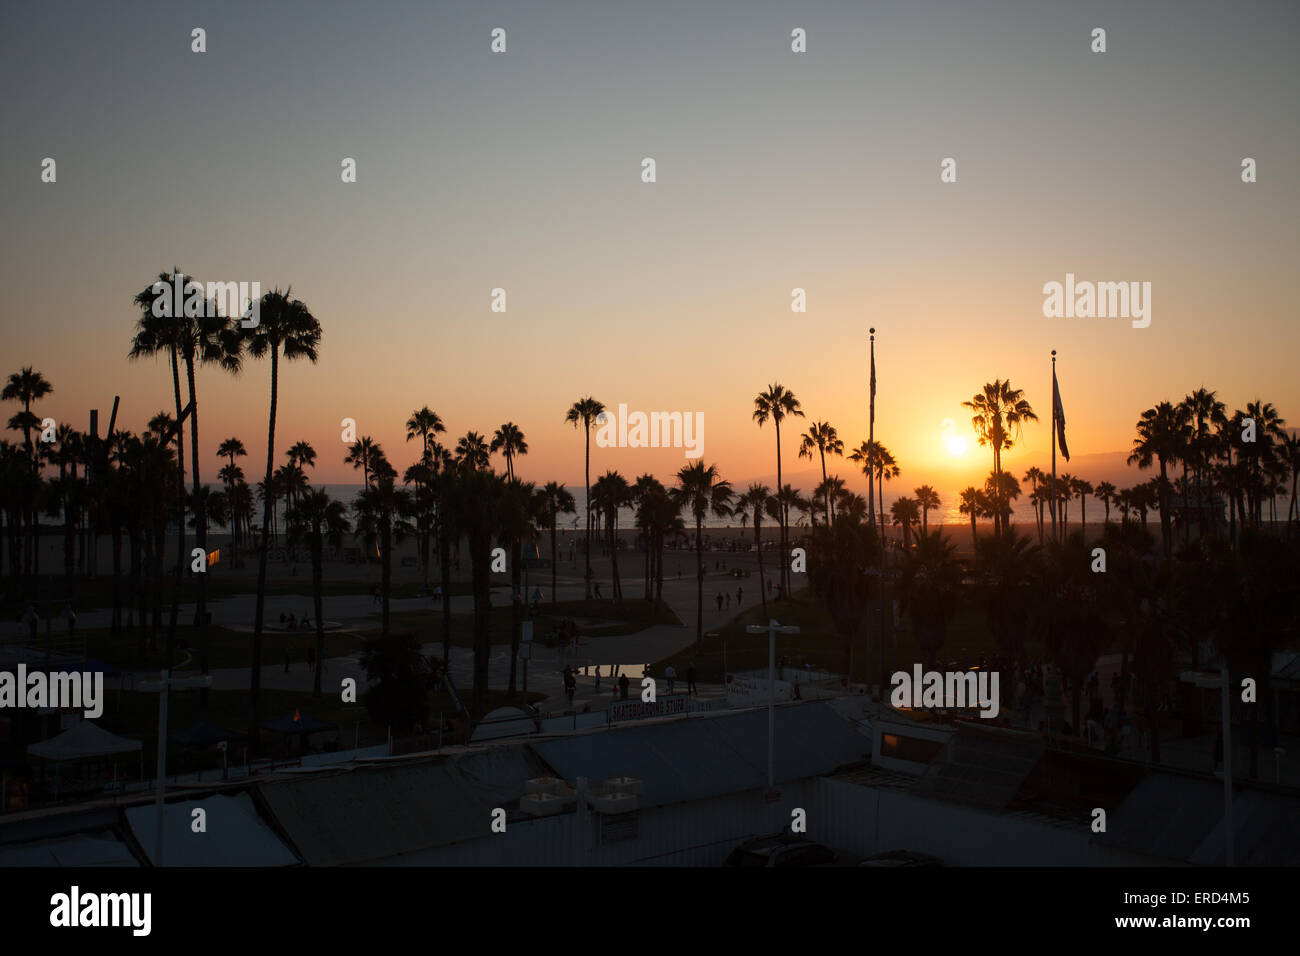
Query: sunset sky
point(775, 170)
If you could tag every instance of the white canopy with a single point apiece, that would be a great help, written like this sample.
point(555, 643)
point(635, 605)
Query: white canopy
point(81, 742)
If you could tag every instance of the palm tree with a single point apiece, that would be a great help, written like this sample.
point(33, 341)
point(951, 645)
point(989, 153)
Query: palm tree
point(1206, 415)
point(584, 412)
point(1162, 433)
point(973, 503)
point(381, 511)
point(1289, 453)
point(519, 511)
point(754, 500)
point(555, 500)
point(1082, 489)
point(285, 326)
point(926, 498)
point(821, 438)
point(231, 449)
point(608, 494)
point(509, 440)
point(1001, 488)
point(701, 490)
point(424, 422)
point(776, 403)
point(320, 518)
point(905, 513)
point(929, 586)
point(999, 412)
point(27, 386)
point(1269, 430)
point(878, 457)
point(1064, 492)
point(1034, 475)
point(1105, 493)
point(362, 454)
point(472, 451)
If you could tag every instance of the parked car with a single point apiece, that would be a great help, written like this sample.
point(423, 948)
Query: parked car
point(785, 849)
point(901, 858)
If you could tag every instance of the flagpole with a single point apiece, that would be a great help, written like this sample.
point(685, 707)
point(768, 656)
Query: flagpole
point(884, 679)
point(871, 436)
point(1055, 537)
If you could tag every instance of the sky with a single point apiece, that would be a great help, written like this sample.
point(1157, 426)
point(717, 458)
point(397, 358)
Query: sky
point(775, 170)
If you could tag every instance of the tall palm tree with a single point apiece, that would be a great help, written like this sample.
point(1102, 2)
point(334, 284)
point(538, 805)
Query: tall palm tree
point(608, 494)
point(926, 498)
point(998, 413)
point(509, 440)
point(230, 449)
point(519, 512)
point(381, 511)
point(1034, 475)
point(1289, 453)
point(584, 412)
point(701, 490)
point(1162, 433)
point(776, 403)
point(1105, 493)
point(1064, 493)
point(973, 503)
point(555, 500)
point(472, 451)
point(876, 456)
point(1082, 489)
point(27, 385)
point(905, 514)
point(362, 454)
point(821, 437)
point(320, 519)
point(424, 422)
point(1206, 414)
point(286, 326)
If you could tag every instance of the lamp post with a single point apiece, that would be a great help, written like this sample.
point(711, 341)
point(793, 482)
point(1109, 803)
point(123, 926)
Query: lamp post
point(162, 686)
point(772, 628)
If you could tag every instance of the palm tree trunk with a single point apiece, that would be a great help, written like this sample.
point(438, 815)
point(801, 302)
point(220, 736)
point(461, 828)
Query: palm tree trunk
point(386, 568)
point(200, 535)
point(317, 608)
point(181, 556)
point(444, 560)
point(586, 473)
point(516, 608)
point(781, 506)
point(699, 580)
point(758, 543)
point(554, 570)
point(255, 678)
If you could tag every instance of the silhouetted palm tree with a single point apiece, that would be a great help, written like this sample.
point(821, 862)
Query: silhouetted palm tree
point(509, 440)
point(286, 326)
point(821, 438)
point(701, 490)
point(926, 498)
point(555, 501)
point(584, 412)
point(776, 403)
point(999, 411)
point(1162, 434)
point(320, 519)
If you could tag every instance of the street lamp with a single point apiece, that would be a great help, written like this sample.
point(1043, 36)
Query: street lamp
point(772, 627)
point(161, 687)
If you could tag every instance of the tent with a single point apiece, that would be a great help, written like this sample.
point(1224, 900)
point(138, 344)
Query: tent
point(204, 734)
point(84, 741)
point(298, 723)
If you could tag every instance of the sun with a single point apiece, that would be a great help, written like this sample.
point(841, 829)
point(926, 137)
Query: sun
point(956, 445)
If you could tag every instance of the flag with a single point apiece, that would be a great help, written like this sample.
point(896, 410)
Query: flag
point(1058, 413)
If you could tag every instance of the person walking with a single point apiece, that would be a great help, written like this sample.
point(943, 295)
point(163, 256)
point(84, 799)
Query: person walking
point(719, 601)
point(622, 686)
point(670, 672)
point(690, 680)
point(570, 683)
point(597, 678)
point(740, 593)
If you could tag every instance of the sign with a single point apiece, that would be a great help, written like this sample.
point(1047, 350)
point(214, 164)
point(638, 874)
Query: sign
point(752, 691)
point(636, 710)
point(526, 633)
point(526, 651)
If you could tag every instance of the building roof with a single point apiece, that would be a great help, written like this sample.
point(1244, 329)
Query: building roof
point(981, 766)
point(235, 835)
point(1180, 817)
point(81, 742)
